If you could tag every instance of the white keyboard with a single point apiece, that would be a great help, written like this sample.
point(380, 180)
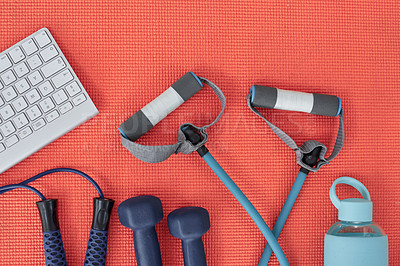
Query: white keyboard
point(41, 98)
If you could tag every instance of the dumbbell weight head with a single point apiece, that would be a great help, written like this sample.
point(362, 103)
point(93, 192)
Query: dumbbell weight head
point(189, 224)
point(141, 214)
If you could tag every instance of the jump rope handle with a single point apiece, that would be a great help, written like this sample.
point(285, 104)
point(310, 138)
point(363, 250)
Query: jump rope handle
point(313, 103)
point(53, 246)
point(146, 118)
point(96, 251)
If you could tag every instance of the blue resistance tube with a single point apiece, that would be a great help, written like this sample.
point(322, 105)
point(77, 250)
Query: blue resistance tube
point(7, 188)
point(251, 210)
point(280, 222)
point(62, 170)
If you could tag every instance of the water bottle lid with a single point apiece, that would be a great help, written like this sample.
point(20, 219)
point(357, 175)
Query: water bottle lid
point(352, 209)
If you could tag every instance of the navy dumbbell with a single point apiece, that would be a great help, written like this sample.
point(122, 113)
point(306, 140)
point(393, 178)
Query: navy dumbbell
point(189, 224)
point(141, 214)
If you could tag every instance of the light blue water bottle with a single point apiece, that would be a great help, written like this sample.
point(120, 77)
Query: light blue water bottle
point(356, 240)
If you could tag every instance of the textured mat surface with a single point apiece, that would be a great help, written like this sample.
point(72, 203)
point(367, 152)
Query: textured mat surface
point(128, 52)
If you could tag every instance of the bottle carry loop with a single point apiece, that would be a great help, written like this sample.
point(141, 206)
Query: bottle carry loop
point(309, 145)
point(156, 154)
point(351, 182)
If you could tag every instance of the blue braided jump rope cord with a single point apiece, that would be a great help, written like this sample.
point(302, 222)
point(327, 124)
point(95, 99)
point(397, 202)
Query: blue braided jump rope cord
point(251, 210)
point(280, 222)
point(7, 188)
point(59, 170)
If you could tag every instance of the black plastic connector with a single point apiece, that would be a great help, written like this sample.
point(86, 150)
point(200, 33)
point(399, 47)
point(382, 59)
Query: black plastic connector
point(101, 213)
point(311, 158)
point(195, 138)
point(48, 215)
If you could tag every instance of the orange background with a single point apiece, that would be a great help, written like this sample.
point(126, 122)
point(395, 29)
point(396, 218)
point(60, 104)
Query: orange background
point(128, 52)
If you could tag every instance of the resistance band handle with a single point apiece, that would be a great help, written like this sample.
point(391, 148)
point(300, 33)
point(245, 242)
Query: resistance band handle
point(96, 251)
point(53, 246)
point(313, 103)
point(146, 118)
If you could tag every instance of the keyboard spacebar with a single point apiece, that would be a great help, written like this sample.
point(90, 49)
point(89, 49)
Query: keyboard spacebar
point(62, 78)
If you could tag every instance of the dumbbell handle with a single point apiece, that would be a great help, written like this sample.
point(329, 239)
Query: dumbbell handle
point(147, 247)
point(193, 252)
point(313, 103)
point(146, 118)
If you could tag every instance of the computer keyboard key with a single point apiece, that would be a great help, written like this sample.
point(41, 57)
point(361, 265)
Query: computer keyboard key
point(62, 78)
point(7, 129)
point(38, 124)
point(34, 62)
point(5, 63)
point(8, 77)
point(2, 148)
point(21, 70)
point(42, 39)
point(29, 47)
point(11, 141)
point(49, 53)
point(19, 104)
point(46, 88)
point(16, 54)
point(22, 86)
point(51, 116)
point(6, 112)
point(20, 120)
point(47, 105)
point(33, 96)
point(35, 78)
point(1, 101)
point(73, 89)
point(34, 113)
point(53, 67)
point(60, 96)
point(79, 99)
point(1, 85)
point(65, 107)
point(25, 132)
point(9, 94)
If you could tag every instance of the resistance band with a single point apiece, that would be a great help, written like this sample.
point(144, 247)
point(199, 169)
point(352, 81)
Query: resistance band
point(190, 138)
point(311, 155)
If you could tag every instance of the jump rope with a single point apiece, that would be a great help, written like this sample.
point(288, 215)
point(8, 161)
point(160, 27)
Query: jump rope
point(310, 156)
point(53, 246)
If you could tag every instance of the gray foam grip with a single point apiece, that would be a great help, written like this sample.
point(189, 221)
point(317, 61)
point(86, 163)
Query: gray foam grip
point(325, 105)
point(187, 86)
point(136, 126)
point(264, 97)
